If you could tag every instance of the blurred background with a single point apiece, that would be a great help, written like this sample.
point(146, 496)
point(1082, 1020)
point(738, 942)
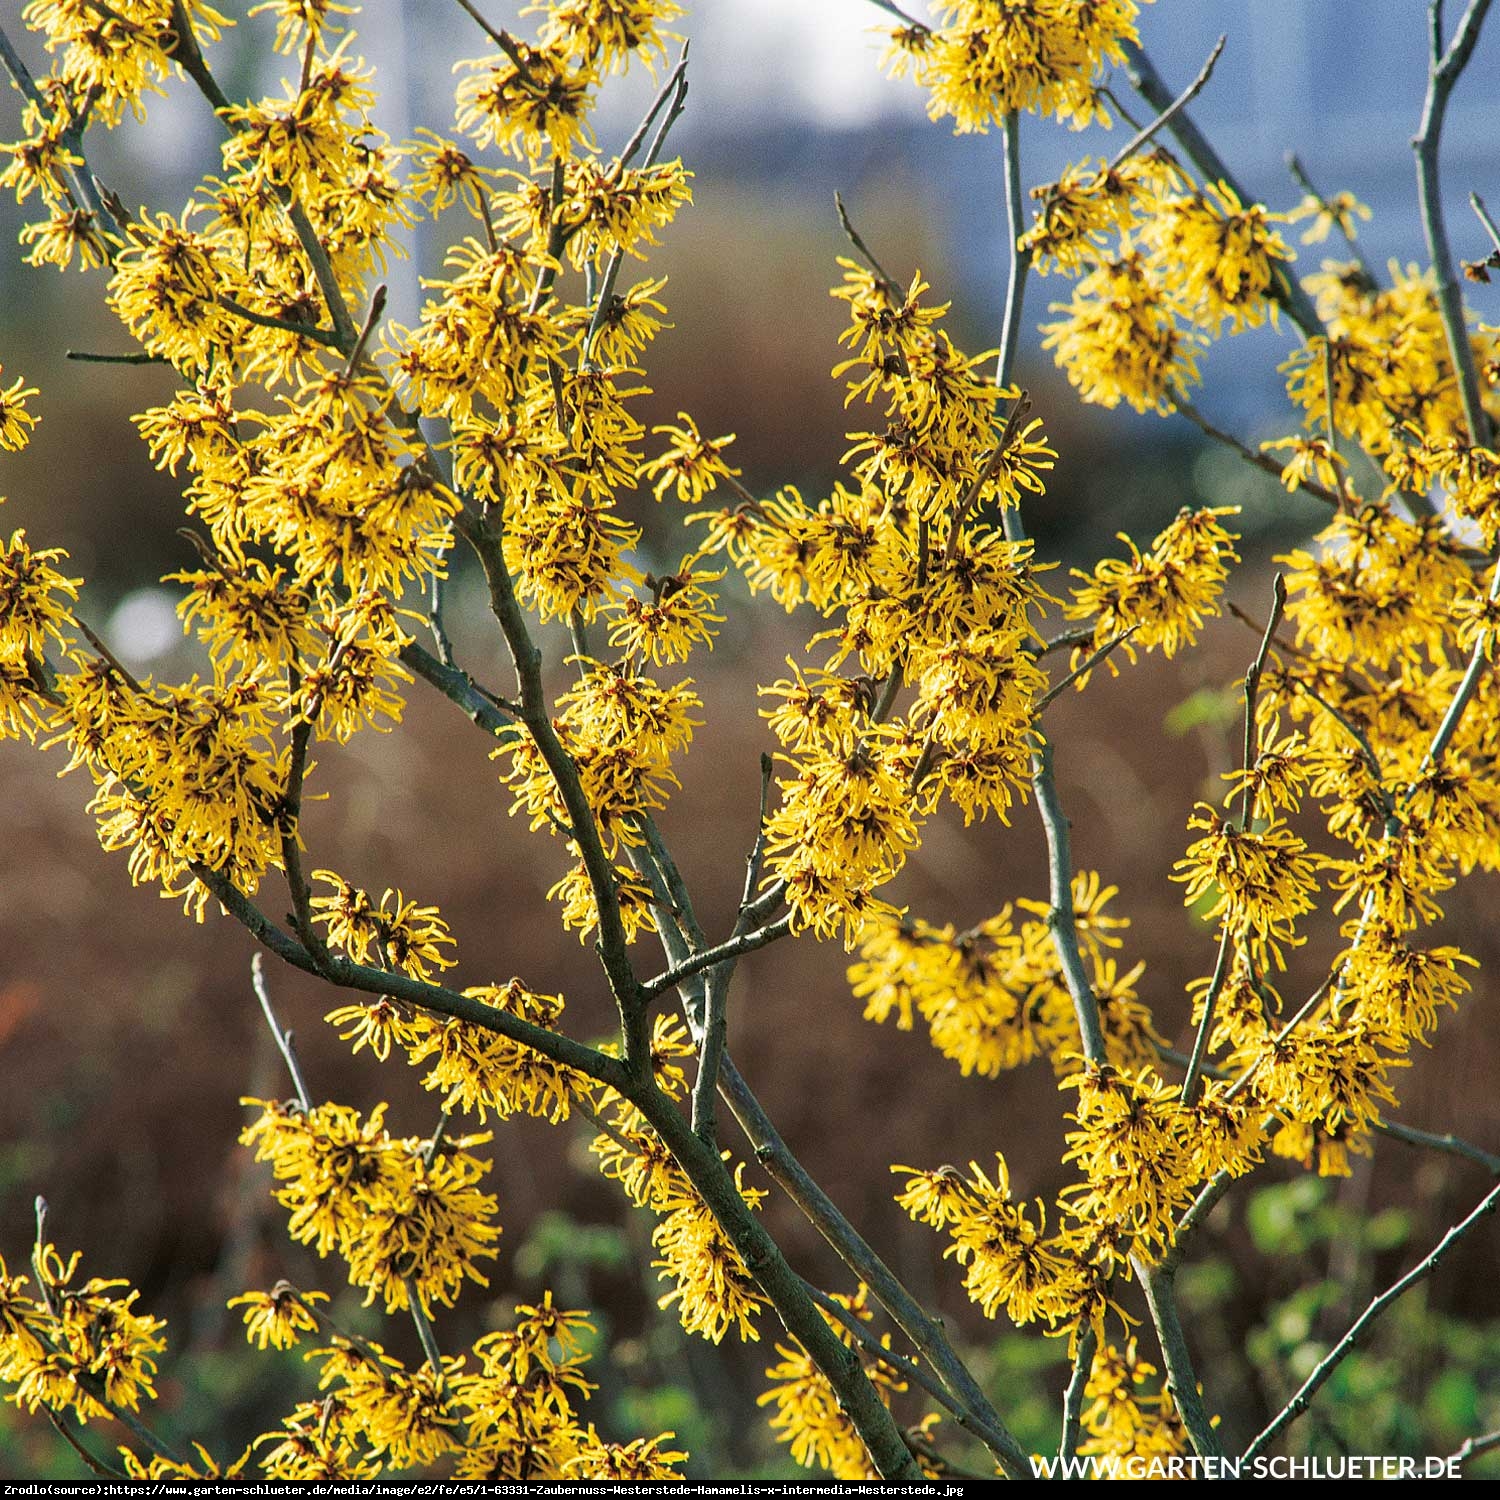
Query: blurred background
point(127, 1037)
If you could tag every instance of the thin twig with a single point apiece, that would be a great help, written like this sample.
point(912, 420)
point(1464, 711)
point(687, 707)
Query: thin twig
point(506, 43)
point(711, 1053)
point(282, 1038)
point(1300, 177)
point(1262, 461)
point(435, 1140)
point(372, 320)
point(889, 282)
point(1251, 689)
point(926, 1333)
point(731, 947)
point(1062, 920)
point(663, 94)
point(1473, 1447)
point(1195, 1217)
point(83, 191)
point(1477, 204)
point(120, 671)
point(66, 1433)
point(347, 974)
point(1181, 102)
point(536, 714)
point(757, 853)
point(1018, 409)
point(1083, 669)
point(328, 337)
point(425, 1335)
point(1182, 1380)
point(676, 89)
point(290, 821)
point(892, 9)
point(1479, 662)
point(486, 709)
point(908, 1369)
point(41, 1208)
point(137, 357)
point(1307, 1007)
point(435, 623)
point(1345, 1346)
point(186, 53)
point(1199, 1054)
point(1064, 641)
point(1409, 1135)
point(1018, 261)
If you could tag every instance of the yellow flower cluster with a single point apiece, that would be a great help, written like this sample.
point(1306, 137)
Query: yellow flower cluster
point(1161, 266)
point(410, 1223)
point(621, 729)
point(511, 1417)
point(808, 1417)
point(985, 60)
point(1259, 881)
point(1122, 1418)
point(1142, 1151)
point(715, 1292)
point(1393, 385)
point(397, 933)
point(993, 997)
point(1010, 1262)
point(1160, 599)
point(36, 604)
point(70, 1346)
point(476, 1070)
point(918, 584)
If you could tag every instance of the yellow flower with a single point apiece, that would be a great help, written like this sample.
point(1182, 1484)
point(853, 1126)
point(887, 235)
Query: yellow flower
point(1131, 1146)
point(396, 933)
point(1032, 55)
point(481, 1070)
point(692, 462)
point(678, 615)
point(1120, 338)
point(297, 20)
point(275, 1318)
point(15, 421)
point(35, 599)
point(1259, 881)
point(809, 1417)
point(543, 101)
point(1221, 253)
point(1327, 214)
point(1163, 597)
point(715, 1291)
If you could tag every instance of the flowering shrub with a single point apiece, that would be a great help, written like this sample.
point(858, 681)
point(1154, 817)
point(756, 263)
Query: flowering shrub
point(332, 461)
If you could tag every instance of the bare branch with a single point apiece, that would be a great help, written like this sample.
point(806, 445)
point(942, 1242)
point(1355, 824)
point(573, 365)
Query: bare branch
point(889, 282)
point(1159, 1285)
point(1443, 75)
point(1345, 1346)
point(282, 1038)
point(1181, 102)
point(1086, 666)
